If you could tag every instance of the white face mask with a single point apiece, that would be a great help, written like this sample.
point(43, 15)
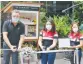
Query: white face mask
point(75, 29)
point(14, 19)
point(48, 27)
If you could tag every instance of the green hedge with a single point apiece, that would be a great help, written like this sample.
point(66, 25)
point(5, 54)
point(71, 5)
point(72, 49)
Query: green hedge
point(62, 25)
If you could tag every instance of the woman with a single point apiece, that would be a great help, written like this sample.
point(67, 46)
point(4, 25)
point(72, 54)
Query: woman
point(47, 41)
point(76, 41)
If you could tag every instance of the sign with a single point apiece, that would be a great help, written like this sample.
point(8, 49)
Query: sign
point(29, 8)
point(64, 43)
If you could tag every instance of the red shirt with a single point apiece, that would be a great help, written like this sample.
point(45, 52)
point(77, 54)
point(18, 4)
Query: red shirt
point(49, 35)
point(75, 37)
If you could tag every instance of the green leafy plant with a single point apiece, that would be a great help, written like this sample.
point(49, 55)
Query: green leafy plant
point(78, 11)
point(62, 25)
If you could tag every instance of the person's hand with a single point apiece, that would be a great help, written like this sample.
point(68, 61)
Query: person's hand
point(73, 46)
point(19, 48)
point(48, 49)
point(43, 48)
point(13, 48)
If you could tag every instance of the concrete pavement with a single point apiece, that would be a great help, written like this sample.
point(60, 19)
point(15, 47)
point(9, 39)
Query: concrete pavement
point(59, 59)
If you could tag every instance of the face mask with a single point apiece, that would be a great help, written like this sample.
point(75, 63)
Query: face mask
point(75, 29)
point(48, 27)
point(14, 19)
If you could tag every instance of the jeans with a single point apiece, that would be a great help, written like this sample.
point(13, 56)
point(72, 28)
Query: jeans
point(48, 57)
point(8, 53)
point(72, 58)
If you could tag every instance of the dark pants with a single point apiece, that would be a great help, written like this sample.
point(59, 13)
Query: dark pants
point(7, 54)
point(48, 58)
point(72, 58)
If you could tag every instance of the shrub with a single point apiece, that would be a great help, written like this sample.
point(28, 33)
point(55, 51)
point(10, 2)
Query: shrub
point(62, 25)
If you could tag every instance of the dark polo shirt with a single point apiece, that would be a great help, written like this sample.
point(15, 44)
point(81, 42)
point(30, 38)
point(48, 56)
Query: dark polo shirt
point(14, 32)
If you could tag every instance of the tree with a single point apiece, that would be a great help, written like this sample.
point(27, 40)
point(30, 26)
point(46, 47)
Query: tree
point(78, 12)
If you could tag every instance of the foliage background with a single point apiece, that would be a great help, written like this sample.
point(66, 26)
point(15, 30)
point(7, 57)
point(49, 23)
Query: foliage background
point(62, 22)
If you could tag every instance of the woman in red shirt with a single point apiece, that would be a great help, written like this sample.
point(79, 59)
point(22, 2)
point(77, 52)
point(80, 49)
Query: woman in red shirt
point(75, 41)
point(47, 41)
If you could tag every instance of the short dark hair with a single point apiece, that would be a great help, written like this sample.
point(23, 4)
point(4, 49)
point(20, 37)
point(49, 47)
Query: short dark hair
point(15, 11)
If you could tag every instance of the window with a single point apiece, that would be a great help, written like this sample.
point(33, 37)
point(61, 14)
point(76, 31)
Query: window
point(30, 20)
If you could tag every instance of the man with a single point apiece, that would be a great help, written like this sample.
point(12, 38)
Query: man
point(13, 35)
